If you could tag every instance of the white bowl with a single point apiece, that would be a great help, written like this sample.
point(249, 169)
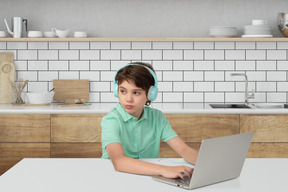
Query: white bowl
point(35, 34)
point(223, 31)
point(40, 98)
point(49, 34)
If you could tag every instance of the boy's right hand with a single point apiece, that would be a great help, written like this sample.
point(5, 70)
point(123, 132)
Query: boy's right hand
point(177, 171)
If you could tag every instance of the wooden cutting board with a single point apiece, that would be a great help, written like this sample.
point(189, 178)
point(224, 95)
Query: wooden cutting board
point(71, 89)
point(7, 73)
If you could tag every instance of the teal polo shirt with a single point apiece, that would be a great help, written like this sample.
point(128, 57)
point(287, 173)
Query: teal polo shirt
point(139, 138)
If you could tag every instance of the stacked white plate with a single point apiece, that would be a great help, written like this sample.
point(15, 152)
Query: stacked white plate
point(257, 31)
point(223, 31)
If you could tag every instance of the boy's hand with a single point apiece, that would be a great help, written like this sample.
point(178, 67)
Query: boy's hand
point(177, 171)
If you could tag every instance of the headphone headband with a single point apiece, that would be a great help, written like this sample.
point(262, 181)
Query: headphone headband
point(153, 91)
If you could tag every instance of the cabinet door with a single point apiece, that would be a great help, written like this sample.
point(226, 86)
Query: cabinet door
point(12, 153)
point(76, 128)
point(196, 127)
point(24, 128)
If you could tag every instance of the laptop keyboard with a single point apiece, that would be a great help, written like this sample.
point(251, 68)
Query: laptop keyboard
point(182, 182)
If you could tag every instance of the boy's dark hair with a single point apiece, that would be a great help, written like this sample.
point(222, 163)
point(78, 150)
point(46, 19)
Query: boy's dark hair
point(138, 74)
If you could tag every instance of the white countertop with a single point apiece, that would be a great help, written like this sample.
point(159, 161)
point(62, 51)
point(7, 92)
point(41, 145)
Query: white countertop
point(103, 108)
point(91, 174)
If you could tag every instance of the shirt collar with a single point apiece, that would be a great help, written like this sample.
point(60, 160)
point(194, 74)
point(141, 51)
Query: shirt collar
point(126, 116)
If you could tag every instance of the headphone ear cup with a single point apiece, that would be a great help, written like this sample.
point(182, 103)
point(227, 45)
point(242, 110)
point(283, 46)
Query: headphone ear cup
point(115, 90)
point(152, 93)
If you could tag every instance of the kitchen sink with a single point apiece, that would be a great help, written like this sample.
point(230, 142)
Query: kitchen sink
point(229, 106)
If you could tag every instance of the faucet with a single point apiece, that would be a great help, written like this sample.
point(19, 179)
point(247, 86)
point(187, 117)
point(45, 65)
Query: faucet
point(248, 94)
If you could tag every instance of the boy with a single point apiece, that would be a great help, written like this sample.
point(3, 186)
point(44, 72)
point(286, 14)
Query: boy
point(133, 131)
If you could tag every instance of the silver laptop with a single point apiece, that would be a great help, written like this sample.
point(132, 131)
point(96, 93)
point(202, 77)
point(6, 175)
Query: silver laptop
point(219, 159)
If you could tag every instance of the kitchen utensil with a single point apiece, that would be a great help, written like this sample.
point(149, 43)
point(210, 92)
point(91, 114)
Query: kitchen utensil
point(40, 97)
point(2, 34)
point(80, 34)
point(61, 33)
point(71, 89)
point(17, 90)
point(223, 31)
point(283, 23)
point(49, 34)
point(17, 27)
point(7, 74)
point(35, 34)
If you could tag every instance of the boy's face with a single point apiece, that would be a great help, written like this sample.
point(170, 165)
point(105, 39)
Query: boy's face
point(132, 98)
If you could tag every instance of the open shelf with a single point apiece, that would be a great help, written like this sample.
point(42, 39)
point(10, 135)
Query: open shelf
point(145, 39)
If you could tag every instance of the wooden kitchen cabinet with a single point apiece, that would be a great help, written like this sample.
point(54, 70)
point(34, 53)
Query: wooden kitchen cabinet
point(270, 135)
point(76, 135)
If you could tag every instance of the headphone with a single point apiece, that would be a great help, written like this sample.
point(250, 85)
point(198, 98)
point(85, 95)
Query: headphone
point(153, 90)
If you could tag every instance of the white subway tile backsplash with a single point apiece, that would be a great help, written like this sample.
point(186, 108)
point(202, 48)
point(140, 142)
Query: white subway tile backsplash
point(3, 45)
point(276, 54)
point(100, 65)
point(79, 65)
point(276, 75)
point(245, 65)
point(172, 75)
point(68, 54)
point(203, 86)
point(183, 65)
point(16, 45)
point(203, 45)
point(110, 54)
point(21, 65)
point(182, 86)
point(58, 65)
point(68, 75)
point(182, 45)
point(142, 45)
point(266, 86)
point(58, 45)
point(255, 54)
point(276, 97)
point(224, 65)
point(187, 72)
point(282, 86)
point(100, 86)
point(266, 65)
point(203, 65)
point(224, 86)
point(37, 86)
point(48, 55)
point(162, 65)
point(47, 75)
point(265, 45)
point(234, 55)
point(91, 75)
point(89, 54)
point(27, 75)
point(79, 45)
point(246, 45)
point(172, 54)
point(100, 45)
point(152, 54)
point(165, 86)
point(27, 54)
point(37, 65)
point(193, 75)
point(214, 76)
point(193, 54)
point(214, 97)
point(224, 45)
point(120, 45)
point(161, 45)
point(193, 97)
point(131, 54)
point(173, 97)
point(37, 45)
point(214, 54)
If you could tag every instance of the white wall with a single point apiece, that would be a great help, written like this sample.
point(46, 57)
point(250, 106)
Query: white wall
point(142, 18)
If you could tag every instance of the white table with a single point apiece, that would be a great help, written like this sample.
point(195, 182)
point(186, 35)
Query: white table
point(91, 175)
